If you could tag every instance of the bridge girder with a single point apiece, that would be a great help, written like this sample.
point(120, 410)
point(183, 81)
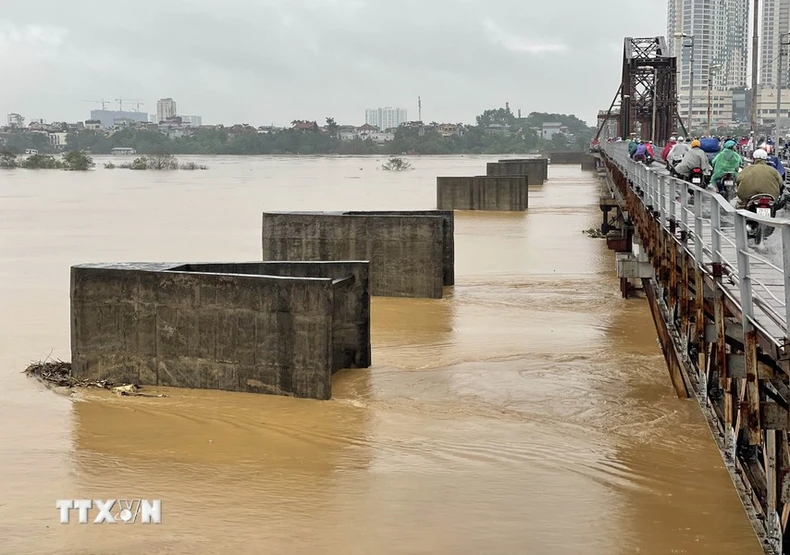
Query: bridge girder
point(649, 73)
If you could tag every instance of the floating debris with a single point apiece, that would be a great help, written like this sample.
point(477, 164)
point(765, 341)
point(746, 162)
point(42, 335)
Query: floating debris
point(58, 373)
point(595, 233)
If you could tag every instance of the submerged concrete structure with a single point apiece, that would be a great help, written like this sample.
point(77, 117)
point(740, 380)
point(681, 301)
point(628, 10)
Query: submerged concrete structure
point(577, 157)
point(536, 169)
point(266, 327)
point(411, 253)
point(482, 193)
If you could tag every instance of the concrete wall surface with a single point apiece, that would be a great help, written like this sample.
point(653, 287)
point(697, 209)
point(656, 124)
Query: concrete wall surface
point(482, 193)
point(411, 253)
point(271, 327)
point(536, 169)
point(589, 162)
point(566, 157)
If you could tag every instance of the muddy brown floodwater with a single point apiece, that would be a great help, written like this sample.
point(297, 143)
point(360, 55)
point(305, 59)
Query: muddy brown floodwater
point(529, 411)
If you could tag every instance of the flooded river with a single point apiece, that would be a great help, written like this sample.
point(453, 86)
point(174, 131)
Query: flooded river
point(529, 411)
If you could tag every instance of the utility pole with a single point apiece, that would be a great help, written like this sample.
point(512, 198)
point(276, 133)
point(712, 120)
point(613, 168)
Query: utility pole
point(655, 105)
point(711, 68)
point(681, 36)
point(419, 109)
point(755, 67)
point(691, 84)
point(780, 82)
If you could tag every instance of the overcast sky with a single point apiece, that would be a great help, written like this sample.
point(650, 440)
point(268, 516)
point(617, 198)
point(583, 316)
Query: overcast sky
point(272, 61)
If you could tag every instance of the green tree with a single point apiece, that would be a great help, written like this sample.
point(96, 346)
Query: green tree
point(41, 162)
point(497, 116)
point(8, 160)
point(331, 127)
point(76, 160)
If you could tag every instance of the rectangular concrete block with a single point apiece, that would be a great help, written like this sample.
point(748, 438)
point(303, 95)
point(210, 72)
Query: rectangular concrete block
point(628, 266)
point(507, 193)
point(536, 169)
point(589, 163)
point(411, 253)
point(576, 157)
point(268, 327)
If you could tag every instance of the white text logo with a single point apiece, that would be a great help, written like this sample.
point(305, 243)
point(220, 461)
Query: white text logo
point(111, 510)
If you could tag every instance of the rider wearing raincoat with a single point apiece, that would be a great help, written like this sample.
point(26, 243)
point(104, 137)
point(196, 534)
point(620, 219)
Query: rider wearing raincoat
point(726, 161)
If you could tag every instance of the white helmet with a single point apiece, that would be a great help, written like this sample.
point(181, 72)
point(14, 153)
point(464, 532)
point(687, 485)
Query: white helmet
point(760, 154)
point(681, 139)
point(673, 138)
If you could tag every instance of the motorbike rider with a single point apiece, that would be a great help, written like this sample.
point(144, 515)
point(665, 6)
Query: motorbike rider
point(694, 158)
point(773, 159)
point(649, 150)
point(632, 147)
point(665, 153)
point(678, 151)
point(640, 153)
point(726, 161)
point(757, 179)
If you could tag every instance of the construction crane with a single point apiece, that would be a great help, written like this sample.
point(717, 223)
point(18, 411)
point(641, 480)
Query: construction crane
point(102, 102)
point(121, 100)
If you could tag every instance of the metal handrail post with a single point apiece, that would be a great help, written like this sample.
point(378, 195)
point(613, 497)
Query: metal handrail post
point(684, 201)
point(662, 191)
point(744, 277)
point(715, 230)
point(671, 198)
point(651, 183)
point(698, 226)
point(786, 267)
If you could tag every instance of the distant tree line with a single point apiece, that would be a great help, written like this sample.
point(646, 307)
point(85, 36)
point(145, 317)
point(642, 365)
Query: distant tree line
point(509, 135)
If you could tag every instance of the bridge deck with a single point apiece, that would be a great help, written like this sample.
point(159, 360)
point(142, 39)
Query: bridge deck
point(767, 264)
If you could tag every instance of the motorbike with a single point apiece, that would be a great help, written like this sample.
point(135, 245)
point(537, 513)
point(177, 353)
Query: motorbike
point(648, 161)
point(762, 205)
point(696, 177)
point(672, 165)
point(728, 185)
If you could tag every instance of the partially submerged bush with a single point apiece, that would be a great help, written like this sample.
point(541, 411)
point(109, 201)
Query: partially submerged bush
point(396, 165)
point(78, 161)
point(8, 160)
point(41, 162)
point(193, 166)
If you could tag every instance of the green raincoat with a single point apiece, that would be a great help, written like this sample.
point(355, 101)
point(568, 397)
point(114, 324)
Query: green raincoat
point(726, 161)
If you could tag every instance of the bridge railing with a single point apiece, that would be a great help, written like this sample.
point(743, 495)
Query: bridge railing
point(763, 279)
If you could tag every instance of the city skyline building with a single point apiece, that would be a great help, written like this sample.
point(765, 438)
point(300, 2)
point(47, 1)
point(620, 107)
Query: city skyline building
point(720, 31)
point(108, 118)
point(721, 41)
point(165, 109)
point(775, 22)
point(386, 118)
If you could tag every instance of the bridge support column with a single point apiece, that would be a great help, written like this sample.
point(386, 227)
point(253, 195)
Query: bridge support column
point(725, 382)
point(673, 270)
point(684, 296)
point(699, 331)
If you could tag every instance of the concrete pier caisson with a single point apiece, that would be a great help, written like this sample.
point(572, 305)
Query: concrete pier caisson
point(536, 169)
point(265, 327)
point(482, 193)
point(411, 253)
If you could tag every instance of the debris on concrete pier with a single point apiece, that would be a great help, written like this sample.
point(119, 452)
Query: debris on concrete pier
point(57, 373)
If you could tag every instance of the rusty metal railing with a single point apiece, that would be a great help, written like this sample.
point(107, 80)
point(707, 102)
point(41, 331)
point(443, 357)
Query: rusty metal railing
point(719, 235)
